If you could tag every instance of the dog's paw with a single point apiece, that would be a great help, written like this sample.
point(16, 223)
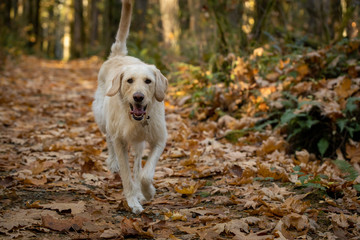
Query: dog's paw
point(134, 205)
point(112, 164)
point(137, 192)
point(147, 189)
point(140, 197)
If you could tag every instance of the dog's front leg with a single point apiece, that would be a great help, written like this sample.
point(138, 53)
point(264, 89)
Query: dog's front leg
point(111, 161)
point(125, 174)
point(138, 148)
point(147, 174)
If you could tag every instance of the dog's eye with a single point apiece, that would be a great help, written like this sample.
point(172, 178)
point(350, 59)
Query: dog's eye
point(130, 80)
point(147, 81)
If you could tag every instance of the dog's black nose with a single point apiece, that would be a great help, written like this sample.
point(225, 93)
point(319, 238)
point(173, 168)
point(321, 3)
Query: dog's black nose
point(138, 97)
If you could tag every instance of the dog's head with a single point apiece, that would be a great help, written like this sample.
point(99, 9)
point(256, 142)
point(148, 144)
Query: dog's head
point(138, 86)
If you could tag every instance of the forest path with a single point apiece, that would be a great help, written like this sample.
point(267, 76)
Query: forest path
point(54, 183)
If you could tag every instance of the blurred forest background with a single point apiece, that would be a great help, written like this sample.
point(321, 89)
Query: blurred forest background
point(291, 64)
point(167, 31)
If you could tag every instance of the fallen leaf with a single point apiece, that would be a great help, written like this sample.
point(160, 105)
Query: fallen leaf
point(236, 171)
point(300, 222)
point(353, 152)
point(75, 223)
point(189, 190)
point(35, 181)
point(233, 227)
point(175, 216)
point(74, 208)
point(133, 227)
point(110, 233)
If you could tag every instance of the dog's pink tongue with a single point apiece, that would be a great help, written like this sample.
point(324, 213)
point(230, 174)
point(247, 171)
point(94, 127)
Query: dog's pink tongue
point(138, 111)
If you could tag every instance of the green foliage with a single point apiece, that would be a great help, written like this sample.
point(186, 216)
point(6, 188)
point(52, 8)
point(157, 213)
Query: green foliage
point(349, 126)
point(307, 129)
point(347, 168)
point(262, 179)
point(308, 180)
point(323, 145)
point(234, 135)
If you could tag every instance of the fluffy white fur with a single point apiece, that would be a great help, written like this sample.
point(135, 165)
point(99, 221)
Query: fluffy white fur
point(120, 78)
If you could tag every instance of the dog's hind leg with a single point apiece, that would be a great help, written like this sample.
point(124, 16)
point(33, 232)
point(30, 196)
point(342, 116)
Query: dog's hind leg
point(125, 174)
point(147, 173)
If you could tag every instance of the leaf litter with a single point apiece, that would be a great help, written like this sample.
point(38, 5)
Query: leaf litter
point(54, 183)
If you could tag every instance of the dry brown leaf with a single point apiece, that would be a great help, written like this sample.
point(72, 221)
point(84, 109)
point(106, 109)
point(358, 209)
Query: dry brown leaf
point(353, 152)
point(236, 171)
point(233, 227)
point(22, 218)
point(343, 90)
point(303, 70)
point(35, 204)
point(188, 190)
point(74, 208)
point(40, 166)
point(340, 220)
point(110, 234)
point(277, 174)
point(300, 222)
point(175, 216)
point(75, 223)
point(134, 227)
point(289, 229)
point(35, 181)
point(295, 204)
point(303, 156)
point(270, 145)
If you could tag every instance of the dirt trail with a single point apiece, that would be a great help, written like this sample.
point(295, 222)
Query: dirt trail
point(54, 183)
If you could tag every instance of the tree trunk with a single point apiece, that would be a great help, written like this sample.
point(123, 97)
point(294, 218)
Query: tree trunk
point(350, 6)
point(335, 17)
point(194, 10)
point(77, 41)
point(67, 36)
point(111, 18)
point(106, 26)
point(262, 10)
point(347, 16)
point(138, 22)
point(5, 9)
point(32, 20)
point(236, 21)
point(221, 24)
point(170, 22)
point(94, 13)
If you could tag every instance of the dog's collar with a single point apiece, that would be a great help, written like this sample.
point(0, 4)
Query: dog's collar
point(145, 122)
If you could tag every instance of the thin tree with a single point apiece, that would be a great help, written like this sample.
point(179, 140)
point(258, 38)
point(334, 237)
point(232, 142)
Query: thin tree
point(77, 40)
point(170, 21)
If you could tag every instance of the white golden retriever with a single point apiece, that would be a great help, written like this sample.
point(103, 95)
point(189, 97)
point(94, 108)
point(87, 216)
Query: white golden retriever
point(129, 109)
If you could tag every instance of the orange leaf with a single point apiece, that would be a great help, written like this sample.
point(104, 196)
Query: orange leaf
point(188, 190)
point(34, 181)
point(343, 90)
point(303, 70)
point(175, 216)
point(353, 152)
point(63, 224)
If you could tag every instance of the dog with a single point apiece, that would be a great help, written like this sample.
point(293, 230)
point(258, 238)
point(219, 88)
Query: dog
point(129, 109)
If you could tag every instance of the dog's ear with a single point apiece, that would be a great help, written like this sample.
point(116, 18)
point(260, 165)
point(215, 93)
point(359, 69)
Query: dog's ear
point(161, 84)
point(115, 85)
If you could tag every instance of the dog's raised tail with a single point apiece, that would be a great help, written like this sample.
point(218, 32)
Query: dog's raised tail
point(119, 46)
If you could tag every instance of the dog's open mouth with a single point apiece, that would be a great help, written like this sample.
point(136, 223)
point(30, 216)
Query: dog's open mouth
point(138, 111)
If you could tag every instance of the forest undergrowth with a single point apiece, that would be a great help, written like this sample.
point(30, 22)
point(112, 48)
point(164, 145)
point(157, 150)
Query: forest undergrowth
point(259, 147)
